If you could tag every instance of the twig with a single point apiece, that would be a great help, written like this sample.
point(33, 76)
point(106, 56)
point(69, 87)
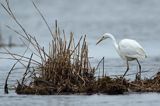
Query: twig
point(28, 66)
point(99, 62)
point(6, 84)
point(13, 55)
point(76, 46)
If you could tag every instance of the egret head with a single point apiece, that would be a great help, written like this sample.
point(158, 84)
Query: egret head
point(104, 36)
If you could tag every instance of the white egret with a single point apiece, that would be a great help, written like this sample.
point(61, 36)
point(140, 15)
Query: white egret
point(128, 50)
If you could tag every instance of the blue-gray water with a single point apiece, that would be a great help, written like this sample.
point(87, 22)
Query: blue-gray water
point(136, 19)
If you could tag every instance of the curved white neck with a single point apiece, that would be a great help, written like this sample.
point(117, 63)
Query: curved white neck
point(114, 41)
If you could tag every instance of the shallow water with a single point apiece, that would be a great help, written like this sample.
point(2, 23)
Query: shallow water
point(124, 18)
point(78, 100)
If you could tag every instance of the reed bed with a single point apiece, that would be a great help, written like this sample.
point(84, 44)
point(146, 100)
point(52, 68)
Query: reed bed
point(65, 68)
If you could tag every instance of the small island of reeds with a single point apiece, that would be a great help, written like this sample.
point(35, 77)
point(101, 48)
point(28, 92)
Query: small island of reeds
point(66, 68)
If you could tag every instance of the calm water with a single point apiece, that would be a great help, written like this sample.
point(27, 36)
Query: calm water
point(136, 19)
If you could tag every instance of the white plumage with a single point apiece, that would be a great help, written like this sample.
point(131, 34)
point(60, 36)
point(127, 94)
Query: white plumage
point(128, 50)
point(131, 49)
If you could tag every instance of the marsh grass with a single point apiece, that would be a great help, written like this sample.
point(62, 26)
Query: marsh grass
point(65, 69)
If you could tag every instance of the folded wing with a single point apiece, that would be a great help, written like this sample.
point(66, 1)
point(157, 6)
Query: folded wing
point(131, 48)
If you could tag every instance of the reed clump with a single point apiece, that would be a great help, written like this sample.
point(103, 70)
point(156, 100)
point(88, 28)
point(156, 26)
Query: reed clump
point(146, 85)
point(65, 70)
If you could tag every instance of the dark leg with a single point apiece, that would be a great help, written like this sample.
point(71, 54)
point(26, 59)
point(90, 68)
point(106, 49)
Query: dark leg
point(127, 69)
point(139, 69)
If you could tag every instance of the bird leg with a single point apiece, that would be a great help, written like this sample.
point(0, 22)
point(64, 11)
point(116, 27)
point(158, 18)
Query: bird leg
point(126, 69)
point(139, 73)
